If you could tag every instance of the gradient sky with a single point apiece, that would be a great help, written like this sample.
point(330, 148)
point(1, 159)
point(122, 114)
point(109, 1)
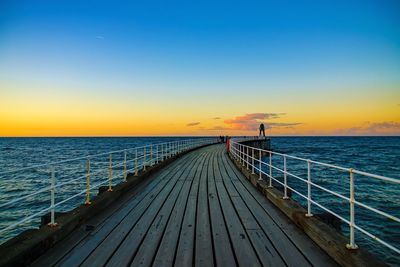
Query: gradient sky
point(88, 68)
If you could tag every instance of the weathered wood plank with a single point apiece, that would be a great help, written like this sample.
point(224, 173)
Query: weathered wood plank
point(82, 240)
point(223, 252)
point(272, 226)
point(185, 246)
point(167, 222)
point(201, 211)
point(203, 244)
point(262, 245)
point(303, 243)
point(244, 251)
point(108, 246)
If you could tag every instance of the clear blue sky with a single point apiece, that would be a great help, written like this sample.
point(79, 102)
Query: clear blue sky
point(175, 50)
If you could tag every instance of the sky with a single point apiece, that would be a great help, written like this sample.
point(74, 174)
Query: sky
point(161, 68)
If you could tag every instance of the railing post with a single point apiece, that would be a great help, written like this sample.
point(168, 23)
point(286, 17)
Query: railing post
point(151, 155)
point(157, 152)
point(309, 214)
point(252, 161)
point(240, 153)
point(87, 201)
point(125, 174)
point(52, 222)
point(270, 170)
point(110, 175)
point(260, 172)
point(243, 155)
point(247, 156)
point(284, 179)
point(162, 152)
point(136, 163)
point(352, 244)
point(144, 158)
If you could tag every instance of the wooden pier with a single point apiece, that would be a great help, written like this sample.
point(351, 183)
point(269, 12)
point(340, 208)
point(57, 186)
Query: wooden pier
point(197, 211)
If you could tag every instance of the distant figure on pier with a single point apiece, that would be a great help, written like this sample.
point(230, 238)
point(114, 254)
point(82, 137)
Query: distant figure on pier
point(262, 129)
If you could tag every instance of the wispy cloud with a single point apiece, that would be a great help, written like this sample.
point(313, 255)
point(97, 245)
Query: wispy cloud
point(252, 121)
point(216, 118)
point(218, 128)
point(373, 128)
point(100, 37)
point(193, 124)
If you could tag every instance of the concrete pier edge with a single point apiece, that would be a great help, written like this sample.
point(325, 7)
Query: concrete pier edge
point(326, 237)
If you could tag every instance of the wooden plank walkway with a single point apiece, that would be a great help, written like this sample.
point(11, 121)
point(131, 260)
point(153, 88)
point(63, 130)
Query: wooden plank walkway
point(200, 210)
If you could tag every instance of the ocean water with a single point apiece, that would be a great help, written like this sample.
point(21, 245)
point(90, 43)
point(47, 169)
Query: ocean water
point(378, 155)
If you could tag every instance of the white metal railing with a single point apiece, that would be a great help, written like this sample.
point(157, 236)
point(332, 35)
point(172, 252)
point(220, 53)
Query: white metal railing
point(130, 160)
point(252, 159)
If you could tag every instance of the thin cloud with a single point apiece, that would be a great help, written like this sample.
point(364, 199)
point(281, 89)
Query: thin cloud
point(100, 37)
point(216, 118)
point(250, 122)
point(373, 128)
point(218, 128)
point(193, 124)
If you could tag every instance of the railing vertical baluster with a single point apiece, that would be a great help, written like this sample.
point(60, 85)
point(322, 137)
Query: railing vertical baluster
point(247, 157)
point(52, 198)
point(125, 174)
point(352, 244)
point(151, 155)
point(144, 158)
point(240, 153)
point(284, 178)
point(110, 174)
point(309, 214)
point(87, 201)
point(162, 152)
point(252, 161)
point(270, 170)
point(136, 163)
point(157, 152)
point(243, 155)
point(260, 166)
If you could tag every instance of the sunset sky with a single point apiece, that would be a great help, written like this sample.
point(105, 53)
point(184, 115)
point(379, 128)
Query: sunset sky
point(110, 68)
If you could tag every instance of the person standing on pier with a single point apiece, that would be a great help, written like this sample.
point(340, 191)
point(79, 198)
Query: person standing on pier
point(262, 129)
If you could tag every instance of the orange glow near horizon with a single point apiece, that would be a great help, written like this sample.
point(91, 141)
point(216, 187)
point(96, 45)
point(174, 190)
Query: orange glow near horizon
point(63, 113)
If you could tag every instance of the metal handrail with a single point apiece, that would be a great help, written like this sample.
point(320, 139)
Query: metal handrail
point(143, 156)
point(254, 161)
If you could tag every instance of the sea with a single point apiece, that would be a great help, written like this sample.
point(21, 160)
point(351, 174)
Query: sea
point(377, 155)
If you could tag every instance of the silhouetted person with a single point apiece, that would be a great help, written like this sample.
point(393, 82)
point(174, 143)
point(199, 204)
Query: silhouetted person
point(262, 129)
